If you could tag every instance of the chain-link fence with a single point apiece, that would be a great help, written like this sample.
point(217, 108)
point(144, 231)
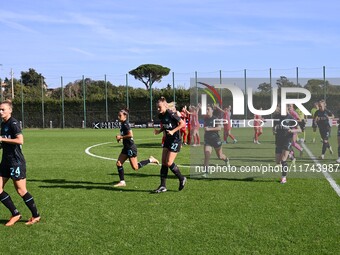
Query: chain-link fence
point(183, 88)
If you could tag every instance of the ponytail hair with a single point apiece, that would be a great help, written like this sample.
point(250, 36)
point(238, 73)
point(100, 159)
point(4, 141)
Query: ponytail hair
point(125, 111)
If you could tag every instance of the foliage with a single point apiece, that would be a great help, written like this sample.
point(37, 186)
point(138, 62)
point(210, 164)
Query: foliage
point(98, 107)
point(284, 82)
point(149, 74)
point(32, 78)
point(264, 87)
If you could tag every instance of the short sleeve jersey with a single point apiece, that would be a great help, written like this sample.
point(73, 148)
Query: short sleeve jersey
point(210, 135)
point(12, 153)
point(169, 121)
point(125, 128)
point(323, 118)
point(282, 126)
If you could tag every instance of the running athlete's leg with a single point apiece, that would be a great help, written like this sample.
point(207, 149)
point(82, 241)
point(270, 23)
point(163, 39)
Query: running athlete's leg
point(20, 186)
point(138, 165)
point(120, 161)
point(229, 134)
point(3, 181)
point(197, 136)
point(284, 157)
point(6, 199)
point(325, 143)
point(207, 154)
point(278, 158)
point(189, 134)
point(295, 144)
point(325, 146)
point(134, 163)
point(339, 145)
point(185, 136)
point(164, 168)
point(171, 156)
point(225, 133)
point(220, 153)
point(255, 135)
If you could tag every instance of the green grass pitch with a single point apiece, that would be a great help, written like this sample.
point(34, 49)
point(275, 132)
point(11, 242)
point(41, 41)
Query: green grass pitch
point(83, 214)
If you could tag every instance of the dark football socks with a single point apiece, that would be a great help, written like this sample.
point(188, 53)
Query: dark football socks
point(29, 201)
point(325, 146)
point(164, 175)
point(7, 201)
point(143, 163)
point(121, 172)
point(284, 168)
point(174, 168)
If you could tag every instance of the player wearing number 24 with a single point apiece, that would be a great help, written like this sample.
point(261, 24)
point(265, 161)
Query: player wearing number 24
point(13, 165)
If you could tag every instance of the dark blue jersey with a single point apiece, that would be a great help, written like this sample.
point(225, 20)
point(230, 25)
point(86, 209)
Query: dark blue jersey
point(169, 121)
point(282, 125)
point(12, 153)
point(209, 122)
point(323, 118)
point(125, 129)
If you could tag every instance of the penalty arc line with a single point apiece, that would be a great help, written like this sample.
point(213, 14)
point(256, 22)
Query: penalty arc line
point(87, 151)
point(328, 177)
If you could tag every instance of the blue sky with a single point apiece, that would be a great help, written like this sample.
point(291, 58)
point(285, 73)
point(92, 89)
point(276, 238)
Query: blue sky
point(71, 38)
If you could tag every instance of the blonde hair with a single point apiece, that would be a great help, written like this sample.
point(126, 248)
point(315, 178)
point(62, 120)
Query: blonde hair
point(8, 102)
point(171, 106)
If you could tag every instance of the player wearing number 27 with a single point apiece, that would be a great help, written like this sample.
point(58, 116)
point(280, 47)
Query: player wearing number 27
point(13, 165)
point(171, 123)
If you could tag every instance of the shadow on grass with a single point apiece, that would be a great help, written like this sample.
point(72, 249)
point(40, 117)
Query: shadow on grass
point(87, 185)
point(144, 175)
point(199, 177)
point(65, 184)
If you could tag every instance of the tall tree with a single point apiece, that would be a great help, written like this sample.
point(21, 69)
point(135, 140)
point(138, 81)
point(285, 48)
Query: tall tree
point(264, 87)
point(285, 82)
point(32, 78)
point(149, 74)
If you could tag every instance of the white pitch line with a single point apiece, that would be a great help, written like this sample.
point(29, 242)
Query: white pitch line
point(328, 177)
point(87, 151)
